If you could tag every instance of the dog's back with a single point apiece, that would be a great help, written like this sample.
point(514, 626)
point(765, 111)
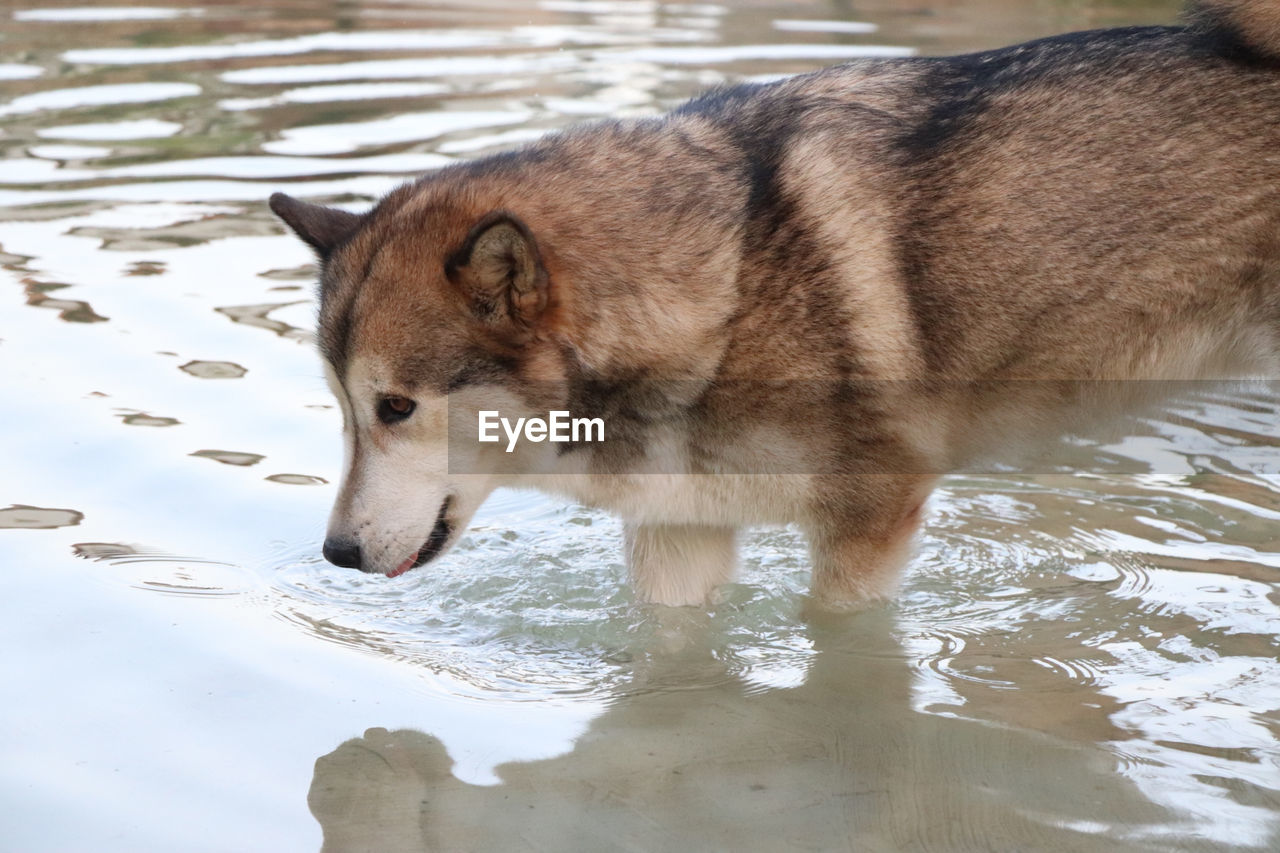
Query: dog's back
point(1043, 200)
point(1089, 209)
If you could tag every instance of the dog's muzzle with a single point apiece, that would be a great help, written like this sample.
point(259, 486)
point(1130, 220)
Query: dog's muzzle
point(345, 552)
point(435, 543)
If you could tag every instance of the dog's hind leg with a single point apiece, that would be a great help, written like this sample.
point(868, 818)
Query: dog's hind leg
point(860, 561)
point(850, 571)
point(678, 564)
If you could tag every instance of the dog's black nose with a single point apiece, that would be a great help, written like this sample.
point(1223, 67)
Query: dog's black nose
point(342, 552)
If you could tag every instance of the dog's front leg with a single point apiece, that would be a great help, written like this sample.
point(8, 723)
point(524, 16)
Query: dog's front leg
point(679, 564)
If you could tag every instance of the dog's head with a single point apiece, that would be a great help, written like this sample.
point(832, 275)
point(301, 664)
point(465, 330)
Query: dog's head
point(428, 314)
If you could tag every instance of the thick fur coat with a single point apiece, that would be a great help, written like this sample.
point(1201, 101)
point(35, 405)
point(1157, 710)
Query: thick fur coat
point(804, 301)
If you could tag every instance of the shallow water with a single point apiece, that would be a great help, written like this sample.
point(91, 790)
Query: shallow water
point(1076, 661)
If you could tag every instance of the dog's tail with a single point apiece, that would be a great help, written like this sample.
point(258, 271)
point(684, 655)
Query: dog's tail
point(1242, 29)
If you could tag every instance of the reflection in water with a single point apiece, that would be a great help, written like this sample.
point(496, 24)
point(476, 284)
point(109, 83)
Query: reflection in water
point(231, 457)
point(347, 92)
point(106, 550)
point(256, 315)
point(89, 96)
point(145, 268)
point(214, 369)
point(40, 171)
point(841, 761)
point(112, 131)
point(183, 229)
point(155, 570)
point(68, 152)
point(1068, 669)
point(71, 310)
point(407, 127)
point(305, 272)
point(1075, 663)
point(111, 13)
point(144, 419)
point(38, 518)
point(18, 71)
point(297, 479)
point(794, 26)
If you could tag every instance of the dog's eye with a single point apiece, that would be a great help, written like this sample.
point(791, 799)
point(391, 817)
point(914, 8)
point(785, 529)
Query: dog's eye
point(393, 409)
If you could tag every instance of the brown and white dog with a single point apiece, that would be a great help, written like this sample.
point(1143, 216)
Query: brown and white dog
point(804, 301)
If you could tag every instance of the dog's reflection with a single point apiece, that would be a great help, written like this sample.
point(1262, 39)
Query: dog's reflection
point(842, 762)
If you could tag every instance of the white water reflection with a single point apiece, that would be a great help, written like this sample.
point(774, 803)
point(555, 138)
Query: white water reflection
point(201, 191)
point(406, 127)
point(505, 139)
point(852, 27)
point(369, 41)
point(18, 71)
point(395, 69)
point(115, 131)
point(347, 92)
point(600, 7)
point(67, 152)
point(84, 14)
point(21, 171)
point(361, 41)
point(92, 96)
point(749, 52)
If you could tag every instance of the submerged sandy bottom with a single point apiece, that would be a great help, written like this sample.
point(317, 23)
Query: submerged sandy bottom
point(1076, 661)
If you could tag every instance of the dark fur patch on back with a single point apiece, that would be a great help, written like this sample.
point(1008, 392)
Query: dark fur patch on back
point(761, 128)
point(1214, 30)
point(960, 90)
point(959, 87)
point(799, 285)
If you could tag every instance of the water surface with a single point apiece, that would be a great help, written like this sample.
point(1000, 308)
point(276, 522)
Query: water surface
point(1077, 661)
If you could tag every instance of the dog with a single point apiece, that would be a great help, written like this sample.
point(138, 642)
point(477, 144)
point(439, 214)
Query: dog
point(805, 301)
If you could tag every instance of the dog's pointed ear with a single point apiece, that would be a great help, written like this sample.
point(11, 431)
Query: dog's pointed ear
point(321, 228)
point(499, 269)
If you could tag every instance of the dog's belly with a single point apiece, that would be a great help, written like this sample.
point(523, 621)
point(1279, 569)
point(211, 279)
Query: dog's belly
point(727, 500)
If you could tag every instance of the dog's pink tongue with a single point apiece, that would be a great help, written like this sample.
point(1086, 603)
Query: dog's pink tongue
point(402, 568)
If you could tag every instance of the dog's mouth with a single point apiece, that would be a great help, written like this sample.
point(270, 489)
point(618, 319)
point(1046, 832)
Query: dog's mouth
point(435, 543)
